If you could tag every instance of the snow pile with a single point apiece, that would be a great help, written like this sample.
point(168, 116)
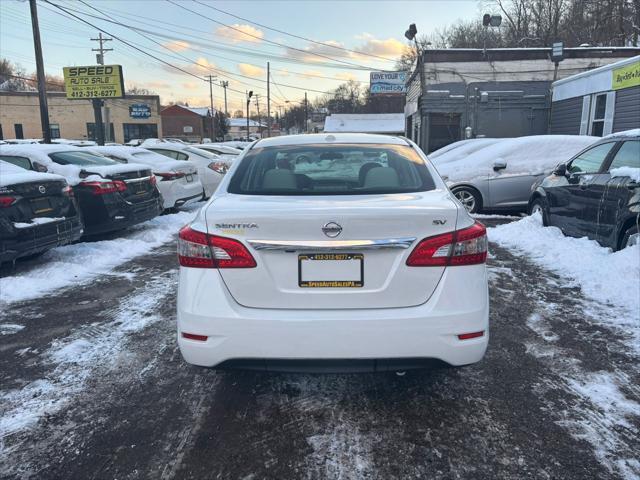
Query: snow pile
point(532, 155)
point(73, 264)
point(609, 278)
point(631, 172)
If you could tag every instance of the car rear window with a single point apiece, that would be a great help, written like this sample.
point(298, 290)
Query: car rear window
point(80, 158)
point(21, 162)
point(345, 169)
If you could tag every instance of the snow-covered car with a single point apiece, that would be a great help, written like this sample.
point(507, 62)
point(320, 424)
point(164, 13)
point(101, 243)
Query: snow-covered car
point(497, 174)
point(224, 151)
point(134, 142)
point(596, 194)
point(211, 168)
point(37, 212)
point(111, 195)
point(177, 181)
point(75, 143)
point(293, 264)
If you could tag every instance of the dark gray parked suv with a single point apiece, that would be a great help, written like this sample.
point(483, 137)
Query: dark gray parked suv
point(596, 193)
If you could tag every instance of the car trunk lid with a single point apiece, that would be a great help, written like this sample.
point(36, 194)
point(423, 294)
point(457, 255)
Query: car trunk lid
point(332, 252)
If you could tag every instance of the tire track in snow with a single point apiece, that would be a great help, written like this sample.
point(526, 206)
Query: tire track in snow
point(76, 359)
point(594, 391)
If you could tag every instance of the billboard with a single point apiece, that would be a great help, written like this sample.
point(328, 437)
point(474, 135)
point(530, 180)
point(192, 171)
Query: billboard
point(94, 81)
point(139, 110)
point(388, 83)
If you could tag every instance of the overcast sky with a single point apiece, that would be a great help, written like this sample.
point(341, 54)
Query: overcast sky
point(235, 49)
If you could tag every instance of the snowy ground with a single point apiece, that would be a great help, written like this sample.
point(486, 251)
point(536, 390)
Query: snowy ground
point(92, 385)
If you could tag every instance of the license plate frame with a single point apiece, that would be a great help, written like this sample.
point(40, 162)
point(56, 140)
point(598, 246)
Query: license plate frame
point(41, 205)
point(330, 257)
point(189, 178)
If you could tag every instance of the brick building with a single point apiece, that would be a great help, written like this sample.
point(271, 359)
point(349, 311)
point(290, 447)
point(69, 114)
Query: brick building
point(191, 124)
point(136, 116)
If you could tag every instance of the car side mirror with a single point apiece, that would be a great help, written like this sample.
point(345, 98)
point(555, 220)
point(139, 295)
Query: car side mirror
point(499, 165)
point(38, 167)
point(561, 170)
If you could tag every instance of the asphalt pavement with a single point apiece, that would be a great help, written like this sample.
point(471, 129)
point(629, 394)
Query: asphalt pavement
point(94, 387)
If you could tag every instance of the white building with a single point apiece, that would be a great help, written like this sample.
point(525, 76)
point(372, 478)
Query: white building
point(385, 123)
point(238, 128)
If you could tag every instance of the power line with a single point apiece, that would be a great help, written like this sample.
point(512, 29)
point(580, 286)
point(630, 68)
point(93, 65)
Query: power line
point(294, 35)
point(305, 52)
point(176, 54)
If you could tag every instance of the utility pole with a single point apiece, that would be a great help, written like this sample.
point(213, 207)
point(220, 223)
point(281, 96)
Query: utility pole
point(306, 113)
point(258, 108)
point(224, 85)
point(212, 131)
point(102, 132)
point(249, 94)
point(42, 86)
point(268, 103)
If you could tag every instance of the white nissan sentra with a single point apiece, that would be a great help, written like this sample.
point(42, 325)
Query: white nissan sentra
point(332, 252)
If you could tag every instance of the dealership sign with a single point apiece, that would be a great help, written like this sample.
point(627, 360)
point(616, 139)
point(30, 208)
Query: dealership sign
point(388, 83)
point(94, 81)
point(139, 110)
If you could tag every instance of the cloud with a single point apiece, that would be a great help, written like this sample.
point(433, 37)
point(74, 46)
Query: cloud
point(191, 85)
point(202, 66)
point(158, 85)
point(346, 76)
point(241, 33)
point(314, 52)
point(310, 74)
point(177, 45)
point(391, 47)
point(251, 70)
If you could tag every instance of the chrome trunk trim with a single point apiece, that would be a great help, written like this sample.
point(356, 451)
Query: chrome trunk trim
point(315, 245)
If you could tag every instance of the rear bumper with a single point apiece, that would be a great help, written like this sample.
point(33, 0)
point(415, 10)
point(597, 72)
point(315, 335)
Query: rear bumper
point(39, 238)
point(238, 335)
point(176, 193)
point(108, 218)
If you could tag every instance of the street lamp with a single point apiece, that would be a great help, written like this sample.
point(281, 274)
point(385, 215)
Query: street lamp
point(410, 35)
point(249, 95)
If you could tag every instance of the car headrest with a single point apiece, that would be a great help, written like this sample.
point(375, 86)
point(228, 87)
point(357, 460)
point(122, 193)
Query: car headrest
point(382, 177)
point(279, 179)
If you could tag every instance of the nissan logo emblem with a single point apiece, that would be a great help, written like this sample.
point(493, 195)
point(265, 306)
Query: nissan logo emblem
point(332, 229)
point(41, 189)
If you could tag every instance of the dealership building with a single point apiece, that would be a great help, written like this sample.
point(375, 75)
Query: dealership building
point(598, 102)
point(134, 116)
point(470, 93)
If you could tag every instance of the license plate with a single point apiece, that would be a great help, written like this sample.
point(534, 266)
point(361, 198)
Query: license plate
point(189, 178)
point(331, 270)
point(41, 205)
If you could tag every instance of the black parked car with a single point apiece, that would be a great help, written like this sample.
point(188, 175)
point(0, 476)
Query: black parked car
point(37, 212)
point(596, 194)
point(111, 195)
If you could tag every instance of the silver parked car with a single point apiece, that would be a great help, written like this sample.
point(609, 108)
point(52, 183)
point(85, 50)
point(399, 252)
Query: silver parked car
point(498, 174)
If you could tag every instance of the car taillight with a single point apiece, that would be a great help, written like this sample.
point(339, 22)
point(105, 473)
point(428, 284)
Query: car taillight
point(462, 247)
point(165, 177)
point(68, 191)
point(102, 188)
point(200, 250)
point(6, 201)
point(219, 167)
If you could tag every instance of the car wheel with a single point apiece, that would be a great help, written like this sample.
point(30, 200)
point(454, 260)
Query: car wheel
point(630, 237)
point(469, 198)
point(538, 206)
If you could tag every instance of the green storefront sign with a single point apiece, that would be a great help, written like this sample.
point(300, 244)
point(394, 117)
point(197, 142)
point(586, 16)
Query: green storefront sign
point(627, 76)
